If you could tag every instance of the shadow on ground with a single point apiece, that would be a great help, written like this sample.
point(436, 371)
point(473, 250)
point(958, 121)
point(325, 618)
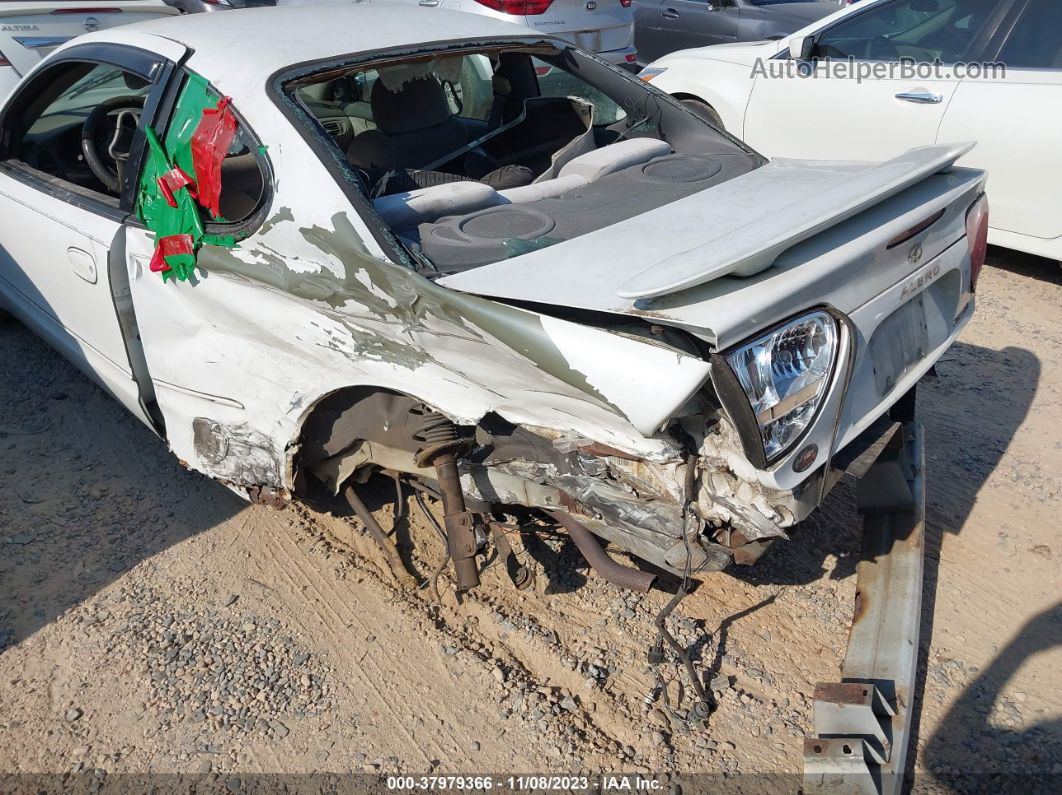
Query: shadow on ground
point(1047, 270)
point(971, 412)
point(68, 532)
point(1007, 759)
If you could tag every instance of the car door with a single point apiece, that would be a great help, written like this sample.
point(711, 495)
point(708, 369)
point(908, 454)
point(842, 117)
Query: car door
point(61, 248)
point(663, 26)
point(201, 133)
point(877, 89)
point(1015, 115)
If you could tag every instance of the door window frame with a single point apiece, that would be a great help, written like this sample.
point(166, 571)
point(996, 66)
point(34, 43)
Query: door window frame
point(978, 53)
point(1006, 29)
point(166, 107)
point(144, 64)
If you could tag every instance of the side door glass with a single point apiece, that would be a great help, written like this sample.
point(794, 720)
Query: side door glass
point(1018, 141)
point(836, 117)
point(920, 30)
point(68, 137)
point(204, 180)
point(80, 128)
point(467, 81)
point(1036, 41)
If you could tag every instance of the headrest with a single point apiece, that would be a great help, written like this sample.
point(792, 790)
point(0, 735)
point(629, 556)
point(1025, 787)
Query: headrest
point(404, 211)
point(614, 157)
point(416, 104)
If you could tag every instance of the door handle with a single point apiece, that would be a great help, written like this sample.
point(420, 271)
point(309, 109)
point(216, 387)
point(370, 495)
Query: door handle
point(669, 13)
point(83, 264)
point(428, 3)
point(920, 97)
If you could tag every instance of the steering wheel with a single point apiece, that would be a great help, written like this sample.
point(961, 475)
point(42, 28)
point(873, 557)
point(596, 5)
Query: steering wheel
point(98, 140)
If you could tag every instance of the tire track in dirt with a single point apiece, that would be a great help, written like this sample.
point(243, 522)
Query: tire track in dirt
point(285, 551)
point(467, 626)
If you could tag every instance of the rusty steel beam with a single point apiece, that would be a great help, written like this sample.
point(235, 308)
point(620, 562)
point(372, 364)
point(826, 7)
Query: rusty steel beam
point(863, 723)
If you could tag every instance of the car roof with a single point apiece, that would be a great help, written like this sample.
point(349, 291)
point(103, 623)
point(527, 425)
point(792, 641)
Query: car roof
point(262, 40)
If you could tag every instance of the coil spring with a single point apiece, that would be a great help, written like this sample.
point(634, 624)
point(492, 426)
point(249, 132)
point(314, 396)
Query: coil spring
point(434, 428)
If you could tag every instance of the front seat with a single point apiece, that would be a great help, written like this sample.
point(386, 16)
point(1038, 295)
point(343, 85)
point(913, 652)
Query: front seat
point(415, 127)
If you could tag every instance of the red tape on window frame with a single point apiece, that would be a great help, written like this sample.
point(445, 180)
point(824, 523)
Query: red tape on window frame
point(210, 144)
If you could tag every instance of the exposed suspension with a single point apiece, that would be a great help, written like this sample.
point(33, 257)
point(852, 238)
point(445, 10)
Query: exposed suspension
point(440, 446)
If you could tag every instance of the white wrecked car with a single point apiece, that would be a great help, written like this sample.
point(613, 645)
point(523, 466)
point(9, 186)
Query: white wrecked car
point(483, 260)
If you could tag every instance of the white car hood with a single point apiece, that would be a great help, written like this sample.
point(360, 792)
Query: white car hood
point(741, 53)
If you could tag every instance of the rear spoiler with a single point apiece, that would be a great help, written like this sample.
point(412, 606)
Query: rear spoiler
point(757, 242)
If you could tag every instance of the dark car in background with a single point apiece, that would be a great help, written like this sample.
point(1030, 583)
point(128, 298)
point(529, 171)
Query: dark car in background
point(663, 26)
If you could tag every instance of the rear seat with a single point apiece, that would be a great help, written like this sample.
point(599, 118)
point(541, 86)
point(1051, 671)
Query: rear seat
point(614, 157)
point(402, 211)
point(546, 189)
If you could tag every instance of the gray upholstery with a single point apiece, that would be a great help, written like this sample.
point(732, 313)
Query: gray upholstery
point(614, 157)
point(456, 243)
point(406, 210)
point(543, 190)
point(414, 126)
point(410, 208)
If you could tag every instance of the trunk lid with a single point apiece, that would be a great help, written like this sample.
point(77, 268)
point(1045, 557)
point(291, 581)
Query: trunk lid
point(798, 233)
point(599, 26)
point(31, 30)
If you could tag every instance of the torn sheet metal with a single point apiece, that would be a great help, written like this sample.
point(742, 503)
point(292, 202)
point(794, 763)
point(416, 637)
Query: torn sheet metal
point(383, 325)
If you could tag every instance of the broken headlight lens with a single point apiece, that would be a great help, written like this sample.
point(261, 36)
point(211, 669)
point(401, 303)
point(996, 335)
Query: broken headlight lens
point(785, 375)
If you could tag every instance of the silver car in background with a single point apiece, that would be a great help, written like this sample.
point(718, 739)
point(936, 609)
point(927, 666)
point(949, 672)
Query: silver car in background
point(31, 30)
point(603, 27)
point(663, 26)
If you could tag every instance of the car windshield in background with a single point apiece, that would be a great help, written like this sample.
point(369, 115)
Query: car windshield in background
point(925, 31)
point(99, 84)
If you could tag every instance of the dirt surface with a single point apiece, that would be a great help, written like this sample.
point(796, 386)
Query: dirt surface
point(150, 621)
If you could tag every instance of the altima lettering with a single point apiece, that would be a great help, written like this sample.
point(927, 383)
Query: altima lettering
point(916, 285)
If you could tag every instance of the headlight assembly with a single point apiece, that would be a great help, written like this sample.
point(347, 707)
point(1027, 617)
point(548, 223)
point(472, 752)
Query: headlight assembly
point(784, 375)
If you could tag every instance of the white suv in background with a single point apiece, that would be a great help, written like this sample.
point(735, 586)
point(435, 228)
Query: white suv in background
point(603, 27)
point(31, 30)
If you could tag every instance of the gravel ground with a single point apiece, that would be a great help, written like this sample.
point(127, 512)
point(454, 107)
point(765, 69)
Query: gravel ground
point(150, 622)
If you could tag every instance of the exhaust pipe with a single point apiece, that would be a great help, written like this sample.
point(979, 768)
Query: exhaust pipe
point(599, 560)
